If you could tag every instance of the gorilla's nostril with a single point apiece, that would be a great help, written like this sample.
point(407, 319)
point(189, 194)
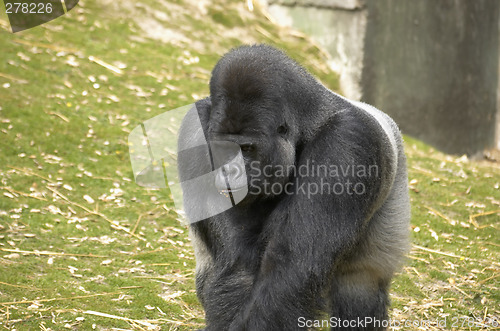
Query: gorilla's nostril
point(233, 170)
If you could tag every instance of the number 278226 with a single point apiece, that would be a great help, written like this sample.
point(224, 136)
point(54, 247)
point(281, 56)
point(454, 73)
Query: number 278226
point(28, 8)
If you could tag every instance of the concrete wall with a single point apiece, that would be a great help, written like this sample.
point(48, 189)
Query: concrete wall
point(432, 65)
point(339, 28)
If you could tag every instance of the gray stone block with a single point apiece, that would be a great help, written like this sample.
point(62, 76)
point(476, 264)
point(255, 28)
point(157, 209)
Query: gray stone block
point(431, 65)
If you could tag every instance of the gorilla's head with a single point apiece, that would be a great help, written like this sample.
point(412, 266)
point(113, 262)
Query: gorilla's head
point(248, 108)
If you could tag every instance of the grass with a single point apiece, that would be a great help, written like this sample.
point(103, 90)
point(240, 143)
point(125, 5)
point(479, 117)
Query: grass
point(453, 271)
point(82, 246)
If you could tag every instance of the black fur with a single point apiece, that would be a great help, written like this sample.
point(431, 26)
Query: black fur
point(278, 257)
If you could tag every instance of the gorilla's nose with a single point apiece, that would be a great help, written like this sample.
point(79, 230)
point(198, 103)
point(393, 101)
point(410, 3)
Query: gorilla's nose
point(229, 176)
point(232, 170)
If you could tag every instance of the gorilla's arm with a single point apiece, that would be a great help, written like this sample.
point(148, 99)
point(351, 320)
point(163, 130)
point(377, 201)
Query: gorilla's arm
point(226, 257)
point(307, 234)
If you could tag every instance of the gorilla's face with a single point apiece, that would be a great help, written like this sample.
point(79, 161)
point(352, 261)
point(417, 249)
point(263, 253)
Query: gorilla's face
point(264, 138)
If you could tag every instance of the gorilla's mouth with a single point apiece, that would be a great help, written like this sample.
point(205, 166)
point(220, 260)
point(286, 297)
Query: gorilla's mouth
point(226, 193)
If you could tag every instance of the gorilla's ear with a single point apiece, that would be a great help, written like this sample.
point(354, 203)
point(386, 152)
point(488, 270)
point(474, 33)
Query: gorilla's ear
point(282, 129)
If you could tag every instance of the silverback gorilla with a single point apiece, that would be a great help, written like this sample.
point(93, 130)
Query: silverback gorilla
point(323, 224)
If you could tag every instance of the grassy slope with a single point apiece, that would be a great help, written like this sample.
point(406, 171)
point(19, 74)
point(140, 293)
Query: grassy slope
point(62, 138)
point(452, 276)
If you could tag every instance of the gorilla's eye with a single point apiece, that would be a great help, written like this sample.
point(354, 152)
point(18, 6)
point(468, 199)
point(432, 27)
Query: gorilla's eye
point(246, 147)
point(282, 129)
